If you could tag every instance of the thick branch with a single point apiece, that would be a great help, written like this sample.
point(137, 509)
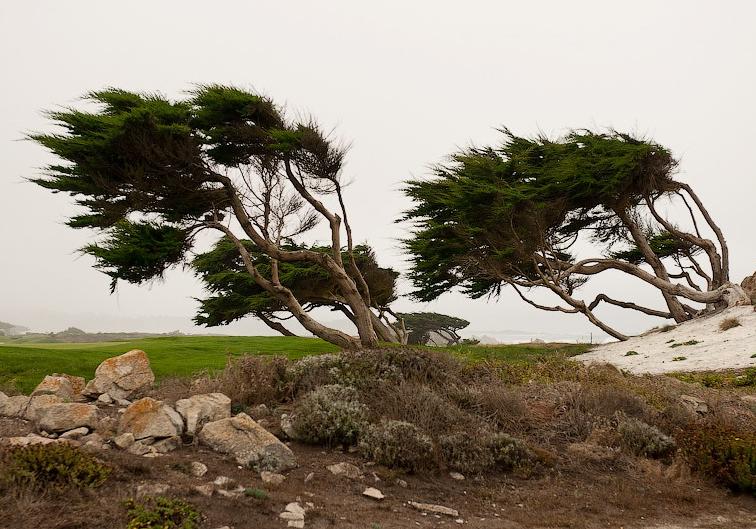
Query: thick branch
point(628, 305)
point(715, 229)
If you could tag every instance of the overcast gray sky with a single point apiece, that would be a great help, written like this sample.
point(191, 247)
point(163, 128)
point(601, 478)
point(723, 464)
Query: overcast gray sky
point(406, 83)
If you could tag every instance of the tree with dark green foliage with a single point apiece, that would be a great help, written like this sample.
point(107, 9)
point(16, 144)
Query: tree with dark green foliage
point(516, 214)
point(422, 326)
point(150, 174)
point(236, 295)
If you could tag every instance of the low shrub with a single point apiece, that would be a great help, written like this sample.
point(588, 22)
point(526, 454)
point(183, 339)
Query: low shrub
point(723, 453)
point(508, 452)
point(642, 439)
point(728, 323)
point(465, 452)
point(397, 444)
point(249, 380)
point(258, 494)
point(162, 513)
point(52, 466)
point(329, 415)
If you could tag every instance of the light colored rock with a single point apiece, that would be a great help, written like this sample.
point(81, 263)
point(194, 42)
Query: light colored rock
point(57, 385)
point(122, 376)
point(249, 443)
point(294, 507)
point(373, 493)
point(435, 509)
point(124, 440)
point(37, 404)
point(286, 426)
point(749, 286)
point(296, 524)
point(31, 439)
point(122, 402)
point(223, 481)
point(272, 478)
point(105, 399)
point(138, 448)
point(76, 433)
point(403, 484)
point(345, 469)
point(107, 426)
point(695, 404)
point(286, 515)
point(201, 409)
point(14, 406)
point(205, 490)
point(197, 469)
point(309, 477)
point(151, 454)
point(148, 417)
point(66, 416)
point(152, 489)
point(457, 476)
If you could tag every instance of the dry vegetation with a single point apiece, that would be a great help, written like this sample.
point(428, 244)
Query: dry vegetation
point(524, 432)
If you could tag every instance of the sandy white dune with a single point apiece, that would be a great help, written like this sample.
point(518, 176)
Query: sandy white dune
point(716, 349)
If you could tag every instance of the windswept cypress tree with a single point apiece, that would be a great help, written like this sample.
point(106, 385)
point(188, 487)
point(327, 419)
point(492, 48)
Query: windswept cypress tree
point(150, 174)
point(512, 215)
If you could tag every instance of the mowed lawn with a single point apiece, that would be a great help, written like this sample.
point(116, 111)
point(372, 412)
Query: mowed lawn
point(23, 365)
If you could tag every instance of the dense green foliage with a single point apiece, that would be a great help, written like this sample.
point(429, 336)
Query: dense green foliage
point(484, 215)
point(51, 467)
point(162, 513)
point(237, 295)
point(421, 326)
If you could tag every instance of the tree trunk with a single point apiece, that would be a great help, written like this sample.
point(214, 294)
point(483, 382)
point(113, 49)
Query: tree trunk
point(384, 332)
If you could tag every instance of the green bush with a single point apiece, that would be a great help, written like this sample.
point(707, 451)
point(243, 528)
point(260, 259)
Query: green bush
point(51, 466)
point(162, 513)
point(329, 415)
point(397, 444)
point(722, 453)
point(465, 452)
point(642, 439)
point(508, 452)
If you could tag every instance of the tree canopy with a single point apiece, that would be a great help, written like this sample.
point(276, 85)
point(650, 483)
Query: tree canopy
point(236, 294)
point(512, 215)
point(422, 327)
point(150, 173)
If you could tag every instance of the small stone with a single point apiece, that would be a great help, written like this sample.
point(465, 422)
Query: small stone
point(122, 402)
point(345, 469)
point(459, 521)
point(435, 509)
point(286, 426)
point(309, 477)
point(152, 454)
point(272, 478)
point(205, 490)
point(229, 493)
point(294, 507)
point(197, 469)
point(402, 483)
point(297, 524)
point(373, 493)
point(76, 433)
point(152, 489)
point(223, 481)
point(124, 440)
point(138, 448)
point(286, 515)
point(695, 404)
point(105, 399)
point(457, 476)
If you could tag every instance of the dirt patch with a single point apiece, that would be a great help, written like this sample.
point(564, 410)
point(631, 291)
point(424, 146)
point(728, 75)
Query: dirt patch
point(570, 494)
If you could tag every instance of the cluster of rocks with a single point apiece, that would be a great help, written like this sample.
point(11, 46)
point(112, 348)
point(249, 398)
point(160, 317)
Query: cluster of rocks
point(65, 408)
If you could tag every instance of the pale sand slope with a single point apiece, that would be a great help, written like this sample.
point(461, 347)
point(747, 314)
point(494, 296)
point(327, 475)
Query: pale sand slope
point(717, 349)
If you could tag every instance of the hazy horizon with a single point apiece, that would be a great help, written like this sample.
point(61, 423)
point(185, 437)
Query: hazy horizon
point(406, 84)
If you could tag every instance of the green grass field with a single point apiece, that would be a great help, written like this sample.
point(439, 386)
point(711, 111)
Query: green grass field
point(23, 365)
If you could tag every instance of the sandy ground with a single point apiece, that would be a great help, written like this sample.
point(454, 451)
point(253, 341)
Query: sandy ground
point(658, 352)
